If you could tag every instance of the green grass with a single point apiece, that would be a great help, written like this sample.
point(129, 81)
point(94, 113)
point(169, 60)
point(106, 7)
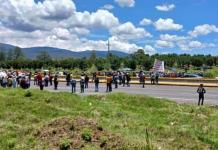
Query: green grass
point(143, 122)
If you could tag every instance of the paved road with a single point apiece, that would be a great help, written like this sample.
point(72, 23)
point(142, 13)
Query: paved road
point(180, 94)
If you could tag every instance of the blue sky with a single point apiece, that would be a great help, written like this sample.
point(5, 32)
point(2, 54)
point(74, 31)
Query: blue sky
point(169, 26)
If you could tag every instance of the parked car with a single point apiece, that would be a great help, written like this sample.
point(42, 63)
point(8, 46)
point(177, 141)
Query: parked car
point(191, 76)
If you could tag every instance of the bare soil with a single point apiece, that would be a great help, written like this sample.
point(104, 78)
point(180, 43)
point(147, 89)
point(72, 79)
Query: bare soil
point(68, 134)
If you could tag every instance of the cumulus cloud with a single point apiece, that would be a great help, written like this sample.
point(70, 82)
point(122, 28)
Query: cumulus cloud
point(167, 24)
point(149, 50)
point(172, 38)
point(125, 3)
point(190, 45)
point(164, 44)
point(100, 19)
point(145, 22)
point(165, 7)
point(203, 30)
point(31, 16)
point(108, 7)
point(129, 31)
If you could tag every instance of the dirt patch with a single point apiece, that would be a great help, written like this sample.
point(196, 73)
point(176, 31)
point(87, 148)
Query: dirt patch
point(68, 134)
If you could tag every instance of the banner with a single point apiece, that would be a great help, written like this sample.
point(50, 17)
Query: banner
point(158, 66)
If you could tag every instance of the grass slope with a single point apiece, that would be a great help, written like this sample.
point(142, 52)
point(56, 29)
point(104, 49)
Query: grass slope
point(142, 121)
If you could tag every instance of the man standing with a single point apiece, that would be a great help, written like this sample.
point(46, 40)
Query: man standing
point(56, 82)
point(128, 79)
point(157, 78)
point(152, 78)
point(82, 84)
point(68, 78)
point(96, 80)
point(86, 81)
point(73, 84)
point(50, 78)
point(109, 80)
point(142, 79)
point(201, 91)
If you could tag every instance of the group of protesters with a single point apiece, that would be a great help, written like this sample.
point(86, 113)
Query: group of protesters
point(13, 79)
point(48, 80)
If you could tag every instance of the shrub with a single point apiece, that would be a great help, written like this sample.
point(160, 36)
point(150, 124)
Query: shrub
point(65, 144)
point(28, 94)
point(87, 135)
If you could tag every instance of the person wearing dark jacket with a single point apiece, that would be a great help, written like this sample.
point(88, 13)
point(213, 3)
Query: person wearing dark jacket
point(201, 91)
point(56, 82)
point(128, 79)
point(86, 81)
point(82, 84)
point(124, 79)
point(96, 80)
point(68, 78)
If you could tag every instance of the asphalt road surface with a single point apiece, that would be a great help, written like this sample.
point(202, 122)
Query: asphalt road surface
point(180, 94)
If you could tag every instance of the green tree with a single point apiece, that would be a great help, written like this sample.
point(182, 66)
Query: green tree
point(18, 54)
point(2, 56)
point(43, 56)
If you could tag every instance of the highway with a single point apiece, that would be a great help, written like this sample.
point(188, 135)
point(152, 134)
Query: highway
point(180, 94)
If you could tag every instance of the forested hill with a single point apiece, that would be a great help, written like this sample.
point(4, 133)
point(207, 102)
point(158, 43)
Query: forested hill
point(58, 53)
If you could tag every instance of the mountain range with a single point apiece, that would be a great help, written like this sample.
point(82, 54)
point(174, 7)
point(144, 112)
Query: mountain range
point(58, 53)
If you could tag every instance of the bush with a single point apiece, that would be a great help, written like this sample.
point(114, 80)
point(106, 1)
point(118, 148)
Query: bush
point(28, 94)
point(87, 135)
point(65, 145)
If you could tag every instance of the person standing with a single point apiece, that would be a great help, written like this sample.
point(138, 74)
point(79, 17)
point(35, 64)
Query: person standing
point(142, 79)
point(56, 82)
point(96, 80)
point(68, 78)
point(39, 79)
point(109, 81)
point(46, 80)
point(86, 81)
point(41, 86)
point(14, 82)
point(50, 79)
point(128, 79)
point(82, 84)
point(152, 78)
point(124, 79)
point(116, 78)
point(73, 84)
point(157, 78)
point(201, 91)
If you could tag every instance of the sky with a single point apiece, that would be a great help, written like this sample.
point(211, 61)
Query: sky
point(157, 26)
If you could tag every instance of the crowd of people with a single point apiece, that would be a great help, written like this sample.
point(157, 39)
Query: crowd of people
point(13, 79)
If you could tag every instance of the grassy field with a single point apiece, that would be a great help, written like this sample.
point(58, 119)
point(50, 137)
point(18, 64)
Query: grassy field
point(141, 122)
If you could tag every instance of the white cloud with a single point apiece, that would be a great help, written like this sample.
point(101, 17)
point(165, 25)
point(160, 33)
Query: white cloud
point(125, 3)
point(172, 38)
point(165, 7)
point(108, 7)
point(122, 45)
point(203, 30)
point(98, 19)
point(145, 22)
point(164, 44)
point(190, 45)
point(167, 24)
point(149, 50)
point(129, 31)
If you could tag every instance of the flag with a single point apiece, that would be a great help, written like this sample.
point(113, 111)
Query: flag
point(158, 66)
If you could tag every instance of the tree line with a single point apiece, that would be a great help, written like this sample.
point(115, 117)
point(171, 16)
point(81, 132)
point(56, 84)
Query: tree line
point(16, 59)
